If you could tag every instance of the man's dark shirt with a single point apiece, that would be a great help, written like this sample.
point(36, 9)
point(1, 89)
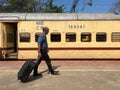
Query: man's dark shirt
point(42, 41)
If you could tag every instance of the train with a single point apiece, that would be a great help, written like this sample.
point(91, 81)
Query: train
point(71, 35)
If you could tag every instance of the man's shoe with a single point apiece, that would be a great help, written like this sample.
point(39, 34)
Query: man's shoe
point(55, 73)
point(37, 74)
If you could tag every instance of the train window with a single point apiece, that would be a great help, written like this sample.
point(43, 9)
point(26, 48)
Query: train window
point(36, 36)
point(86, 37)
point(115, 37)
point(55, 37)
point(70, 37)
point(24, 37)
point(101, 37)
point(10, 37)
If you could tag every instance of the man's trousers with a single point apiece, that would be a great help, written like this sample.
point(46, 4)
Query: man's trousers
point(46, 57)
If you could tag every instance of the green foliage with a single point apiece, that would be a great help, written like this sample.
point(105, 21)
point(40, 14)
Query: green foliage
point(20, 5)
point(30, 6)
point(50, 8)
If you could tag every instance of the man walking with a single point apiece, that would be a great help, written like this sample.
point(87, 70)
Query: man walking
point(43, 52)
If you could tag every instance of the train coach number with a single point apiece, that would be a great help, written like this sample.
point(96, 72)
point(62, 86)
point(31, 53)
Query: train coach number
point(76, 26)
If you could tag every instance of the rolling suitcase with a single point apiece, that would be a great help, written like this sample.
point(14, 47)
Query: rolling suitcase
point(25, 70)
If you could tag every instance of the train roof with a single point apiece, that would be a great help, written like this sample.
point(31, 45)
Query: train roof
point(58, 16)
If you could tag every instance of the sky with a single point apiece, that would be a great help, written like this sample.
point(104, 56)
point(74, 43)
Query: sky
point(98, 6)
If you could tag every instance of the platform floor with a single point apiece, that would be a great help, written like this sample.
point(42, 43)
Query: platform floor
point(74, 75)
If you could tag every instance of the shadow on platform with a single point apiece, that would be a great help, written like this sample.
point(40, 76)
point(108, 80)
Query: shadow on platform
point(32, 78)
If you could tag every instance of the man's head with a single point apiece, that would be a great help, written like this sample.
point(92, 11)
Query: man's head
point(46, 30)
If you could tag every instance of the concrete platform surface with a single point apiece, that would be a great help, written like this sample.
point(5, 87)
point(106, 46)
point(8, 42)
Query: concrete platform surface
point(80, 77)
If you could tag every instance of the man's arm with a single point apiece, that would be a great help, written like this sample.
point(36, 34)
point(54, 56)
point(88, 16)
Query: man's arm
point(39, 44)
point(39, 50)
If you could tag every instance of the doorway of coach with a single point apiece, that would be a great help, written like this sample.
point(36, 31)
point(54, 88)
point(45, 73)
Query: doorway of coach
point(9, 40)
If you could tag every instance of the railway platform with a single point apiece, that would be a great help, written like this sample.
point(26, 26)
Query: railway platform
point(74, 75)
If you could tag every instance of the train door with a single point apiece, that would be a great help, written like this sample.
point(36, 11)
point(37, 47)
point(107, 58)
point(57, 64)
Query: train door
point(10, 40)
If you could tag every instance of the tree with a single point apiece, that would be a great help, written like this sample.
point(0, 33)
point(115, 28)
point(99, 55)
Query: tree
point(20, 6)
point(2, 2)
point(46, 6)
point(50, 8)
point(30, 6)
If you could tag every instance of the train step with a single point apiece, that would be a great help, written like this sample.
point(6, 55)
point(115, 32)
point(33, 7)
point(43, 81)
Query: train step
point(11, 56)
